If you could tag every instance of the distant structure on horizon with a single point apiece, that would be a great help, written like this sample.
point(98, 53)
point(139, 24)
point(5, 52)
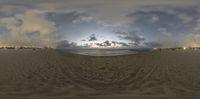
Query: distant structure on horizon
point(24, 47)
point(178, 48)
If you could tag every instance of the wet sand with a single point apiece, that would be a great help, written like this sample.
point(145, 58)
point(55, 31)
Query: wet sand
point(54, 74)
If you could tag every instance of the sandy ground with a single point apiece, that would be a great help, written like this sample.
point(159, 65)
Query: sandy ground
point(28, 74)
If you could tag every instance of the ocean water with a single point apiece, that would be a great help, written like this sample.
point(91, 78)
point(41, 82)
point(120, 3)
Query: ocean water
point(104, 52)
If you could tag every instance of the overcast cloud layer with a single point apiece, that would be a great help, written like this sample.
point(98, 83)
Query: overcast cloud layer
point(100, 23)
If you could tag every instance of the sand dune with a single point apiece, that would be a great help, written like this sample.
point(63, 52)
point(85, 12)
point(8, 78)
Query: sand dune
point(55, 74)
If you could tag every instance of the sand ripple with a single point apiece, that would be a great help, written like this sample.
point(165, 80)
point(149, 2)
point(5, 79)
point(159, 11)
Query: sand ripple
point(49, 73)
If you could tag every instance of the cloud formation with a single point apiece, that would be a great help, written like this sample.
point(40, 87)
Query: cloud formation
point(132, 37)
point(64, 44)
point(34, 21)
point(161, 23)
point(120, 43)
point(28, 29)
point(107, 44)
point(92, 37)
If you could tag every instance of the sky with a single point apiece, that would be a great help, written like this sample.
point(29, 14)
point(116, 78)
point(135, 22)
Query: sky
point(100, 23)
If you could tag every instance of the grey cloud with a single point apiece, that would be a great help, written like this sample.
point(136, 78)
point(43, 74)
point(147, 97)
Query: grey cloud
point(153, 44)
point(120, 43)
point(107, 43)
point(64, 18)
point(71, 23)
point(113, 44)
point(63, 14)
point(65, 44)
point(177, 21)
point(83, 40)
point(133, 37)
point(104, 44)
point(136, 41)
point(92, 37)
point(103, 10)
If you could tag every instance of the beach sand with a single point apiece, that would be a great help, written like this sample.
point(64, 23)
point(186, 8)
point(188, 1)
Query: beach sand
point(54, 74)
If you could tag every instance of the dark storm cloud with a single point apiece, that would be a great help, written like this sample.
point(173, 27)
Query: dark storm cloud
point(64, 44)
point(133, 37)
point(136, 40)
point(104, 44)
point(99, 44)
point(120, 43)
point(92, 37)
point(107, 43)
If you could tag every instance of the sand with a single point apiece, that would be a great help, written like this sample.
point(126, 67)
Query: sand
point(57, 75)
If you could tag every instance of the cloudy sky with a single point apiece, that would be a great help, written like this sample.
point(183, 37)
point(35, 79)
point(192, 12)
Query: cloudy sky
point(100, 23)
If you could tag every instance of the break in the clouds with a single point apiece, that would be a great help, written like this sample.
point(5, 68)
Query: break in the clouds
point(93, 23)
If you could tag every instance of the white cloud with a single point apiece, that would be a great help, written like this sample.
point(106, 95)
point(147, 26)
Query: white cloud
point(83, 19)
point(154, 19)
point(30, 28)
point(36, 22)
